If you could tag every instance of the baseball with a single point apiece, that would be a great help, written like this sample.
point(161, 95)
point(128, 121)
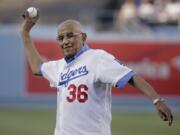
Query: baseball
point(32, 12)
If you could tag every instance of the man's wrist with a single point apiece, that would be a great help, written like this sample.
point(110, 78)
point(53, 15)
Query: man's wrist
point(24, 31)
point(155, 101)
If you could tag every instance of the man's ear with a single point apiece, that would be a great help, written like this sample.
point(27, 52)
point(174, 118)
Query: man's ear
point(84, 36)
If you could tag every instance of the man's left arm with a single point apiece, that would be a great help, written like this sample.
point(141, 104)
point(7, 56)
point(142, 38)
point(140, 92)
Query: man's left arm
point(162, 109)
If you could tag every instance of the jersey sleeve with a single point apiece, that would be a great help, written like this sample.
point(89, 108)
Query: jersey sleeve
point(49, 71)
point(110, 70)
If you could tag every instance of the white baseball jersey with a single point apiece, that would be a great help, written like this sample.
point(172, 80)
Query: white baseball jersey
point(84, 91)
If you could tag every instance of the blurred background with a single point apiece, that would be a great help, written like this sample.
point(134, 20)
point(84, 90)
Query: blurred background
point(144, 34)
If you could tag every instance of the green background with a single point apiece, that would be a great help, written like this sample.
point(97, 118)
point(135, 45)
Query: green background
point(29, 122)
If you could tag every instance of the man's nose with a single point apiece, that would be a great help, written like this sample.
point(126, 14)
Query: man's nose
point(65, 41)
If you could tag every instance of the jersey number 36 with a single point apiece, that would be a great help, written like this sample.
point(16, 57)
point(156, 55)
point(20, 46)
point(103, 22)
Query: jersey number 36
point(77, 93)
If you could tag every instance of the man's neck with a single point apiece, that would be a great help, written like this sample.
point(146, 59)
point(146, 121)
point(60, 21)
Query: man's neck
point(84, 48)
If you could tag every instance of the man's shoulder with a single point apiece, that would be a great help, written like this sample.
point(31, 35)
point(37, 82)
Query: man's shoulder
point(55, 62)
point(98, 52)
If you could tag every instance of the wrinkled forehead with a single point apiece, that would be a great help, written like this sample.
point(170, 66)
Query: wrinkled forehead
point(69, 26)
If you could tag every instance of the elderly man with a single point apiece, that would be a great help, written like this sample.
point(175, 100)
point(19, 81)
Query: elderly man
point(84, 78)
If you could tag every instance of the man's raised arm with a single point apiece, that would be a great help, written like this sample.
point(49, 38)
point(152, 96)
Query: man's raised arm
point(32, 54)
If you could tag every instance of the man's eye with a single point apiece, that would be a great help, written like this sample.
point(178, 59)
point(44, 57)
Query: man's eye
point(61, 38)
point(70, 35)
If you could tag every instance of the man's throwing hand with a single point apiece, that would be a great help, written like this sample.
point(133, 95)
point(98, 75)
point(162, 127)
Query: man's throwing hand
point(29, 21)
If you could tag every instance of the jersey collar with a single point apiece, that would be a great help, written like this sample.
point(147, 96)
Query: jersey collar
point(83, 49)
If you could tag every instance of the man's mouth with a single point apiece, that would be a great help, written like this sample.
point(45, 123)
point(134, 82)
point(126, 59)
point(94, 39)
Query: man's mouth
point(68, 48)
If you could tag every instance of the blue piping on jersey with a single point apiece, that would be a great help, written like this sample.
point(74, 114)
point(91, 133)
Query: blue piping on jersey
point(123, 81)
point(82, 50)
point(40, 71)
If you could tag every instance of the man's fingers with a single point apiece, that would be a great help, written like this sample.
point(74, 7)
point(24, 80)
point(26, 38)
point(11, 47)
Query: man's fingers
point(166, 116)
point(163, 116)
point(25, 14)
point(37, 12)
point(164, 112)
point(170, 119)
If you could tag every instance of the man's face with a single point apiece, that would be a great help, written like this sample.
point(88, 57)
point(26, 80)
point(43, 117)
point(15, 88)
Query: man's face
point(70, 38)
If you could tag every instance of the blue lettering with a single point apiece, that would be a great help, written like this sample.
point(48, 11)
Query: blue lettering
point(72, 74)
